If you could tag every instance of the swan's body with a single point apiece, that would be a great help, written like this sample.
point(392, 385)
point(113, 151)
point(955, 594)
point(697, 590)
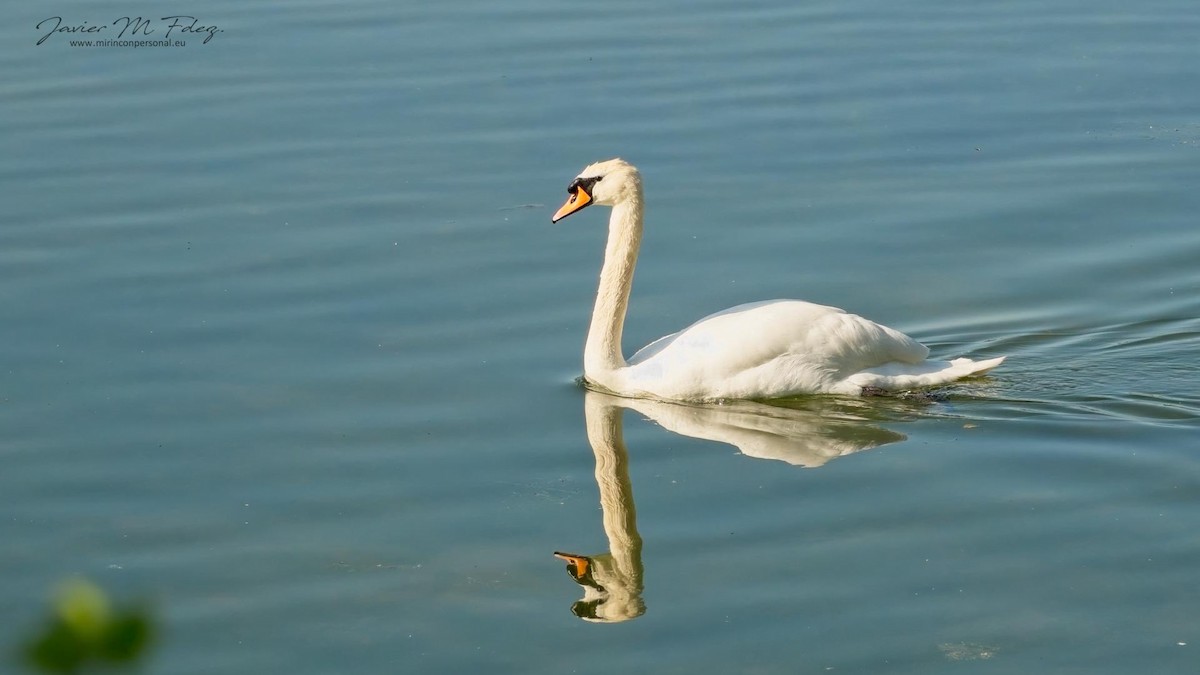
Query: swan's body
point(760, 350)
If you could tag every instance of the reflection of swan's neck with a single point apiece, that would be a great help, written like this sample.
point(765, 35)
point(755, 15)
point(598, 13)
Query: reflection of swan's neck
point(602, 354)
point(616, 493)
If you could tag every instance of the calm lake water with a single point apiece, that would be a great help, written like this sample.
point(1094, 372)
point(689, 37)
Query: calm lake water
point(290, 345)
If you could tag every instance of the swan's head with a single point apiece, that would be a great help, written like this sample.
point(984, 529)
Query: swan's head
point(609, 596)
point(605, 183)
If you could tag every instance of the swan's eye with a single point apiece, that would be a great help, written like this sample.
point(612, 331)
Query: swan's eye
point(584, 183)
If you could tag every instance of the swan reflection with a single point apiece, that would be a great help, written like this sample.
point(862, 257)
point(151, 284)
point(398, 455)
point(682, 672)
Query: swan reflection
point(807, 436)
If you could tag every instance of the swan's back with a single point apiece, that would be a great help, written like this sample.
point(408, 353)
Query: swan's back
point(767, 350)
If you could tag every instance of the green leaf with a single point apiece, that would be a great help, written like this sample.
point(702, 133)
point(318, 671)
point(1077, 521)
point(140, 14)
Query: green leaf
point(125, 637)
point(57, 649)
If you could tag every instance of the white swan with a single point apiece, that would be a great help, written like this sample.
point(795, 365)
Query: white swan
point(761, 350)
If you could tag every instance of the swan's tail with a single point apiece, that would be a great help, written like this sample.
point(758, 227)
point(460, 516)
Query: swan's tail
point(898, 376)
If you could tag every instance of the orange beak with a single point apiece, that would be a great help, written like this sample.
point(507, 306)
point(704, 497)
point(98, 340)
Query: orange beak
point(576, 564)
point(578, 199)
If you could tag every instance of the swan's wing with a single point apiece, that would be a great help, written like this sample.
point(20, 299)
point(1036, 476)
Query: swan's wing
point(772, 346)
point(706, 330)
point(757, 332)
point(653, 348)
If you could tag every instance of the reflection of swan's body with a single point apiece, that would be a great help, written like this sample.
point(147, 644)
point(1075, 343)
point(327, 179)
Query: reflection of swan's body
point(760, 350)
point(802, 437)
point(612, 581)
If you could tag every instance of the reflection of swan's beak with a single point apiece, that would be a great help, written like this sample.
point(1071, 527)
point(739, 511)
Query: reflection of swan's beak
point(579, 198)
point(577, 565)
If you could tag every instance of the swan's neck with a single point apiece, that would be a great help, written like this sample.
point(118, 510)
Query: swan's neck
point(602, 354)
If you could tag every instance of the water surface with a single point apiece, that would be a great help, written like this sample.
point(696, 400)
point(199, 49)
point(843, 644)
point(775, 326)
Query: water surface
point(290, 344)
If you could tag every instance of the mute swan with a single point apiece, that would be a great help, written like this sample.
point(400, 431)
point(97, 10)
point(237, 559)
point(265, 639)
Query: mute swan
point(760, 350)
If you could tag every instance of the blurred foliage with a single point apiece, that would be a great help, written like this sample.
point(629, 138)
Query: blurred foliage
point(85, 631)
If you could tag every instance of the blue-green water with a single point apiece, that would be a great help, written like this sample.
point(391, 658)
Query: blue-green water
point(289, 344)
